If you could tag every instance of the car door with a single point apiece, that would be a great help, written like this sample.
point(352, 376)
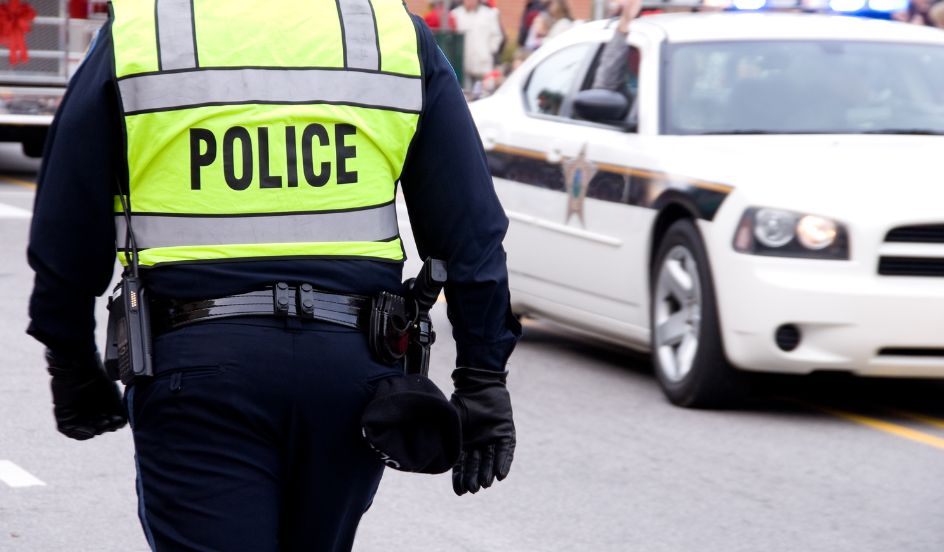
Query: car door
point(576, 248)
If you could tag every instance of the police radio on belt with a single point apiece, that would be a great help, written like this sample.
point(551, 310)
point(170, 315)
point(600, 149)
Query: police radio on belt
point(128, 337)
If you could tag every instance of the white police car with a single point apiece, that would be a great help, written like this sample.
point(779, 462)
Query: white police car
point(770, 198)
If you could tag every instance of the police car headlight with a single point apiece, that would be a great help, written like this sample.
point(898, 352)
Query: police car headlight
point(816, 232)
point(774, 228)
point(781, 233)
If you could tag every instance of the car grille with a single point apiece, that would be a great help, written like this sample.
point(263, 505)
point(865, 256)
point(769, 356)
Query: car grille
point(905, 265)
point(912, 351)
point(910, 266)
point(928, 233)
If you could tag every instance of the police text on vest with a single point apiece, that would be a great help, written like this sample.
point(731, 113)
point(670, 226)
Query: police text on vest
point(204, 151)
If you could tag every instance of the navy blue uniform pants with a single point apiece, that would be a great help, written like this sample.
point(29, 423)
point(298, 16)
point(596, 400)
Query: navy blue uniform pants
point(248, 437)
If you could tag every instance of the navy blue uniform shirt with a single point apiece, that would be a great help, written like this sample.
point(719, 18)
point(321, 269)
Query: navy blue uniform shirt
point(453, 208)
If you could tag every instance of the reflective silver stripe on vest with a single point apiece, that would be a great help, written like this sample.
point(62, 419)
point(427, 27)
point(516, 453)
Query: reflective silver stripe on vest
point(163, 91)
point(175, 34)
point(366, 225)
point(360, 34)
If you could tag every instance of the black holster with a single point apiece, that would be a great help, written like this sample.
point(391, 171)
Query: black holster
point(389, 327)
point(401, 327)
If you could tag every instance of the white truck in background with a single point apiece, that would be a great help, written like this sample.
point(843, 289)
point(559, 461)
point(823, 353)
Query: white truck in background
point(42, 43)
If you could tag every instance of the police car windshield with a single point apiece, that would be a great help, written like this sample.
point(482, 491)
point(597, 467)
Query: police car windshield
point(800, 87)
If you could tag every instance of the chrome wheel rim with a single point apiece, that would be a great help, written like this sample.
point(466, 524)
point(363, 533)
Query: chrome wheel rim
point(677, 313)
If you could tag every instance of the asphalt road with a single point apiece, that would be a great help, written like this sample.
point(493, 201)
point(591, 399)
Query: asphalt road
point(604, 464)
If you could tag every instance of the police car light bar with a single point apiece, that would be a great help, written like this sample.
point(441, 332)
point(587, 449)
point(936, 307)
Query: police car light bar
point(821, 6)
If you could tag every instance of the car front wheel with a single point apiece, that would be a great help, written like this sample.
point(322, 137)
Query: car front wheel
point(687, 351)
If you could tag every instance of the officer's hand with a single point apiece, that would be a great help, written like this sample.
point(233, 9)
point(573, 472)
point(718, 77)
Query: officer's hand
point(488, 431)
point(85, 402)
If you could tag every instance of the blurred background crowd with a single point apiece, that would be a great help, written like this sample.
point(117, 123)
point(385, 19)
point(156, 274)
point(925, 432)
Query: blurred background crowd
point(486, 39)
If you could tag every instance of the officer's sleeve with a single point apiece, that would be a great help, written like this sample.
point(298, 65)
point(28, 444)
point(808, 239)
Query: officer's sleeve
point(456, 216)
point(72, 237)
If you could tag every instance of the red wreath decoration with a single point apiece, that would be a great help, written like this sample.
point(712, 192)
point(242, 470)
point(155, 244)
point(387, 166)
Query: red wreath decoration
point(16, 21)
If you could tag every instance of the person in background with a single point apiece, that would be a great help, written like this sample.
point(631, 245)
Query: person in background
point(501, 46)
point(936, 15)
point(483, 38)
point(554, 20)
point(560, 18)
point(917, 13)
point(433, 15)
point(531, 11)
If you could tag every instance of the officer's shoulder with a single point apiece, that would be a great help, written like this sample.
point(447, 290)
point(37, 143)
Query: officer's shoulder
point(427, 43)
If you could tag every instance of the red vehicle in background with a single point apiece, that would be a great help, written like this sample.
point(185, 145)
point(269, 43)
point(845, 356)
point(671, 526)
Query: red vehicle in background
point(42, 43)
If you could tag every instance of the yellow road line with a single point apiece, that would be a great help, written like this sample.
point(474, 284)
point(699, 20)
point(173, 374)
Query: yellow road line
point(18, 182)
point(887, 427)
point(917, 417)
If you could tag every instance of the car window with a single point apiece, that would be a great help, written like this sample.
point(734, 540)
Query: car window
point(804, 87)
point(552, 81)
point(625, 77)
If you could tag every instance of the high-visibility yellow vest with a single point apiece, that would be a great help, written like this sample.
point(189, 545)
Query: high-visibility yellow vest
point(264, 129)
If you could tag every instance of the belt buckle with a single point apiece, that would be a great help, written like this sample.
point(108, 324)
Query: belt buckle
point(281, 298)
point(305, 298)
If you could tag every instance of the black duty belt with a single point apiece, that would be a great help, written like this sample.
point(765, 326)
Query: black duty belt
point(279, 300)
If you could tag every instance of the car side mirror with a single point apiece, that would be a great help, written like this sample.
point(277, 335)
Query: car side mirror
point(602, 106)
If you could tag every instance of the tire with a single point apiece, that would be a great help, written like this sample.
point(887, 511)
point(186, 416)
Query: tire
point(687, 351)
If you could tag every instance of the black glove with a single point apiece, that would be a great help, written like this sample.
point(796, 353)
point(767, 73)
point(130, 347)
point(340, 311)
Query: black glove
point(85, 402)
point(488, 431)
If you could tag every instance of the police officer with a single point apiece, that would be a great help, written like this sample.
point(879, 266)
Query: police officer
point(257, 143)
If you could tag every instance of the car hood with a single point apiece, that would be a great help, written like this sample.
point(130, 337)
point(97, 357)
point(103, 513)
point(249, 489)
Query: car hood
point(841, 175)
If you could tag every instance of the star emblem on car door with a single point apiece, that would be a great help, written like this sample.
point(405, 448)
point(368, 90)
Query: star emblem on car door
point(578, 172)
